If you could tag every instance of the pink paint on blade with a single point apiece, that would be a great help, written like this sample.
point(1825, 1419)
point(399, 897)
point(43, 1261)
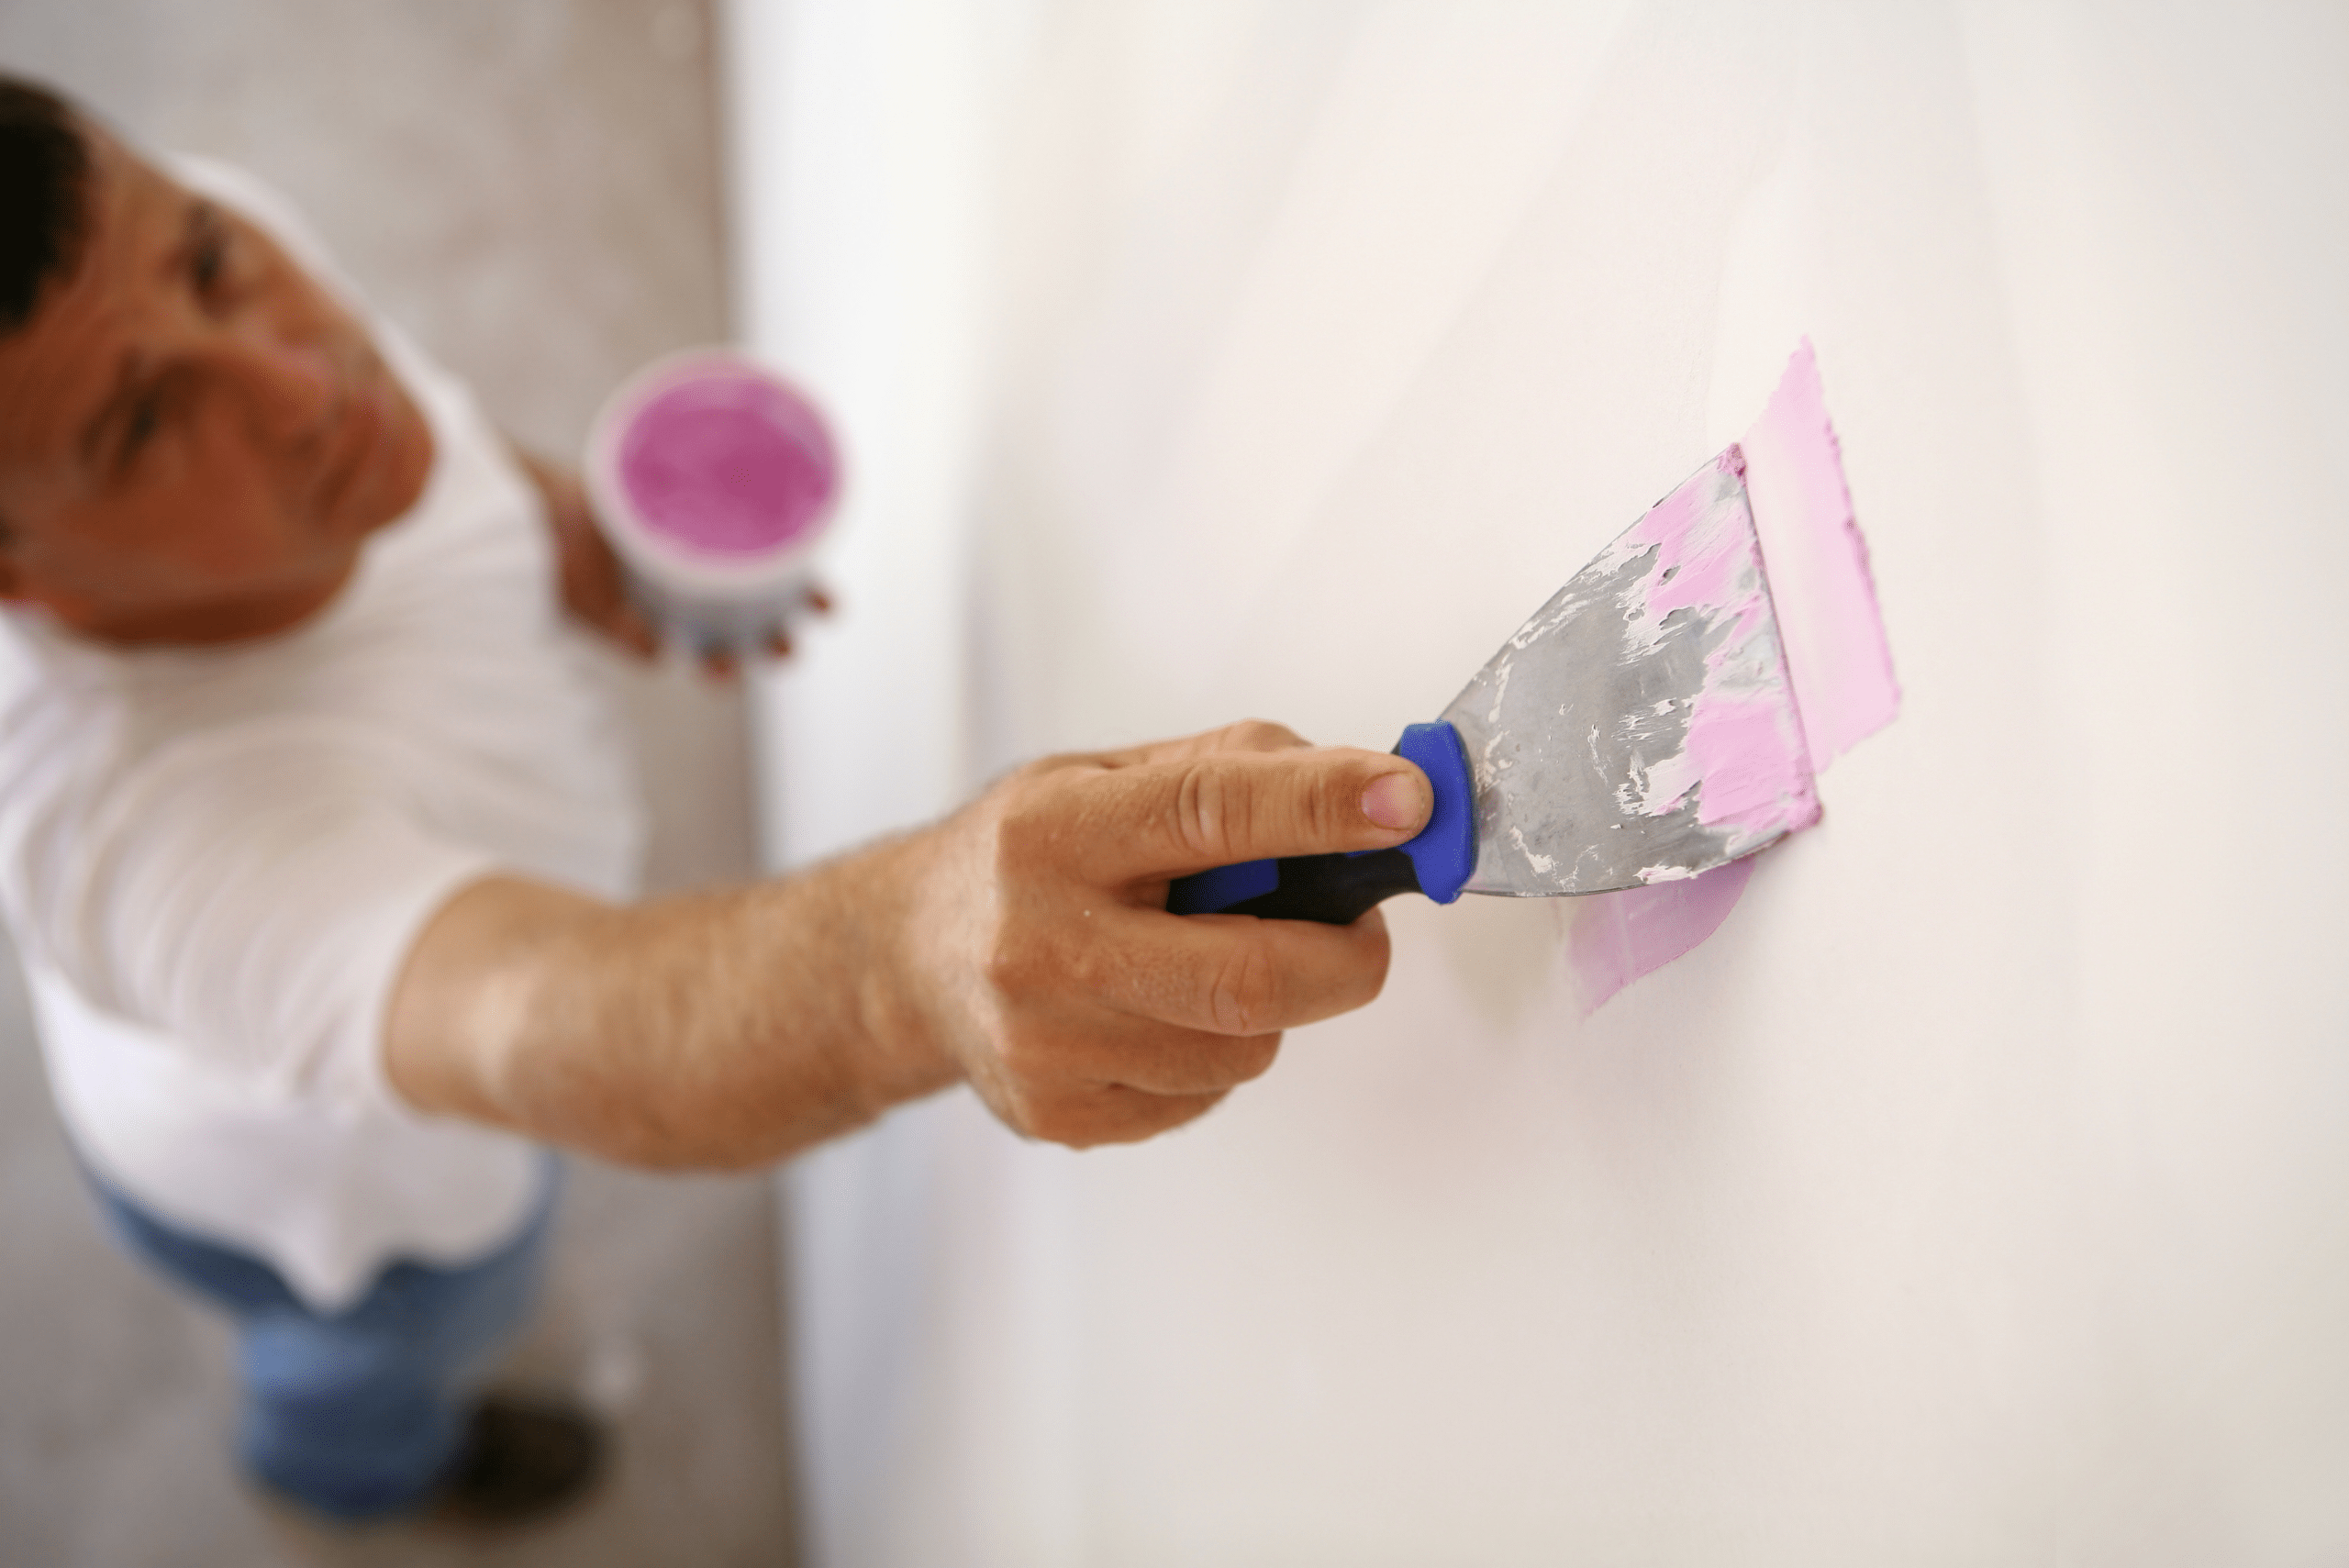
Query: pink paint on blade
point(1743, 749)
point(1837, 660)
point(728, 465)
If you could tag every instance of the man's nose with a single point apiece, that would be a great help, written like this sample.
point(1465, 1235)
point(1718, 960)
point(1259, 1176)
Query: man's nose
point(288, 388)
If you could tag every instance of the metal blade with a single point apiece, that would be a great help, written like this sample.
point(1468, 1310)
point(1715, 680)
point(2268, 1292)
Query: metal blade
point(1639, 728)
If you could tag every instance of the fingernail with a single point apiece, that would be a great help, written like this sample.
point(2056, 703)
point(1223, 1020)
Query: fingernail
point(1395, 800)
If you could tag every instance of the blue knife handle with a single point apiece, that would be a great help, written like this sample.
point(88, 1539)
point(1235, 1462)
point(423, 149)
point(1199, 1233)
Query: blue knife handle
point(1337, 889)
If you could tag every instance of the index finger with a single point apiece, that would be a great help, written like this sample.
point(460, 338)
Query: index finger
point(1248, 735)
point(1157, 820)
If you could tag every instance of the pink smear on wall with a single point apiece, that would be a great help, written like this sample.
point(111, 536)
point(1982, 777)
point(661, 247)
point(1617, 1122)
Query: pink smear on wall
point(1837, 660)
point(1817, 565)
point(1618, 937)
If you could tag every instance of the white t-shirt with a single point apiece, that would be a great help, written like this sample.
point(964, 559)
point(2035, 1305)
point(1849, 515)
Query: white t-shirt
point(215, 861)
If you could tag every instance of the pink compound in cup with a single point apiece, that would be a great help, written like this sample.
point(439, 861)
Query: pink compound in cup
point(728, 463)
point(713, 479)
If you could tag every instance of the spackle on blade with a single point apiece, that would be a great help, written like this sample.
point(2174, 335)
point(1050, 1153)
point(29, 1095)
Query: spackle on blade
point(1650, 727)
point(1742, 755)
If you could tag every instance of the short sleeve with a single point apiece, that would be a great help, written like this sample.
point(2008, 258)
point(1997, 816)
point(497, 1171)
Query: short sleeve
point(251, 893)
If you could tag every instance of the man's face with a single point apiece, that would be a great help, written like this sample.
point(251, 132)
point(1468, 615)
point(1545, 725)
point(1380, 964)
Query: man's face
point(195, 439)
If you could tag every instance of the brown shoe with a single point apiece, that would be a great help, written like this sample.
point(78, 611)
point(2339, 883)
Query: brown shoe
point(523, 1461)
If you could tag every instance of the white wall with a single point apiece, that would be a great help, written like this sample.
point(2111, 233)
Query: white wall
point(1977, 1195)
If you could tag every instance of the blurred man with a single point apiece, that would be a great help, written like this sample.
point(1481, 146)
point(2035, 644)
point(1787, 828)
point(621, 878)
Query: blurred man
point(318, 846)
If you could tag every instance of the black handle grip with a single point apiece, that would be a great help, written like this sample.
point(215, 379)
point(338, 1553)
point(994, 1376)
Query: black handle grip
point(1336, 889)
point(1333, 889)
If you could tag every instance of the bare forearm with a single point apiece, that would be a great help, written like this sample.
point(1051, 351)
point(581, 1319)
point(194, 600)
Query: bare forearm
point(1022, 945)
point(717, 1028)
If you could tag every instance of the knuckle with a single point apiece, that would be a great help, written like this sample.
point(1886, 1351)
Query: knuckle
point(1027, 961)
point(1259, 735)
point(1025, 825)
point(1014, 966)
point(1210, 811)
point(1043, 817)
point(1045, 766)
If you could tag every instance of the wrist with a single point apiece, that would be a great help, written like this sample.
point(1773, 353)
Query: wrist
point(912, 968)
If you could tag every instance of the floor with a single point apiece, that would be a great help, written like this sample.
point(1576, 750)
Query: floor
point(532, 188)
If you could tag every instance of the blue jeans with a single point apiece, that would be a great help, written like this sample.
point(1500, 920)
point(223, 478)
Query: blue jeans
point(357, 1415)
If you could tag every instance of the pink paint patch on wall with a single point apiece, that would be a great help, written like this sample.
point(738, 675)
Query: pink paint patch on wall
point(1817, 566)
point(1618, 937)
point(1837, 660)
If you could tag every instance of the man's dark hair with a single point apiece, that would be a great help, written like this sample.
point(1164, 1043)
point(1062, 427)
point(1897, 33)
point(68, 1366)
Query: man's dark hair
point(44, 191)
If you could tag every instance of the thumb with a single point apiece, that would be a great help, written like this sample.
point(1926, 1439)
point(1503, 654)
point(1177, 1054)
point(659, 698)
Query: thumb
point(1168, 819)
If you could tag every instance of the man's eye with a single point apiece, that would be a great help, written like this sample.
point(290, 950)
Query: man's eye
point(209, 260)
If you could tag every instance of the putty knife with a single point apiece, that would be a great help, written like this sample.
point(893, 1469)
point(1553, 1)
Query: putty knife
point(1639, 728)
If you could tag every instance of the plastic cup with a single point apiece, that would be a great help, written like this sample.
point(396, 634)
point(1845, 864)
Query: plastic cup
point(713, 479)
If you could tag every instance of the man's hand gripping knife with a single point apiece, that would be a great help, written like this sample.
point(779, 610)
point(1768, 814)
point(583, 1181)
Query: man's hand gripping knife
point(1021, 945)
